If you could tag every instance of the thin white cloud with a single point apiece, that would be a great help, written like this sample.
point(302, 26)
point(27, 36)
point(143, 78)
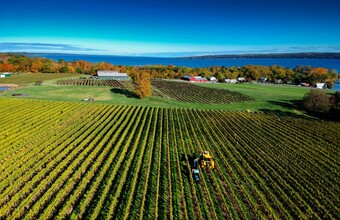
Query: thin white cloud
point(44, 47)
point(156, 50)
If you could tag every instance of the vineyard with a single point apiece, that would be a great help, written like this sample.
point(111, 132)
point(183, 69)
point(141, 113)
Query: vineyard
point(120, 85)
point(31, 78)
point(179, 91)
point(78, 160)
point(92, 82)
point(188, 92)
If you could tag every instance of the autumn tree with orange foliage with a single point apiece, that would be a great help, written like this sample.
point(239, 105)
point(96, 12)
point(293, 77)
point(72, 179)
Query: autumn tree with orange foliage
point(317, 75)
point(36, 66)
point(143, 83)
point(7, 67)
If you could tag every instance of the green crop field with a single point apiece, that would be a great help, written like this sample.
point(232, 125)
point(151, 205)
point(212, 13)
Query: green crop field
point(78, 160)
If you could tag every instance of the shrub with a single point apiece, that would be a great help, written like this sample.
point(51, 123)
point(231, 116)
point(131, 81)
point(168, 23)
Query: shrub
point(316, 101)
point(38, 83)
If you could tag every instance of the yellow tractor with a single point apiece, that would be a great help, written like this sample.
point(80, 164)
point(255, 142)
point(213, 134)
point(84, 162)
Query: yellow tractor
point(205, 161)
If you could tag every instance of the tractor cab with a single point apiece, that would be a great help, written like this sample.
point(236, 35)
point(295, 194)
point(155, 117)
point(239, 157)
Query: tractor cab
point(207, 160)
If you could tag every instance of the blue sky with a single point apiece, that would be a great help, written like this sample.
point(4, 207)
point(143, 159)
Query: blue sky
point(170, 27)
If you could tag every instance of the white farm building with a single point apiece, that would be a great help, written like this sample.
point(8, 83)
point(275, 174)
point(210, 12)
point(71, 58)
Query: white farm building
point(108, 74)
point(320, 85)
point(6, 74)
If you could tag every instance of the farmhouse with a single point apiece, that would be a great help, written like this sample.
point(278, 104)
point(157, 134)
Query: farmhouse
point(194, 79)
point(104, 74)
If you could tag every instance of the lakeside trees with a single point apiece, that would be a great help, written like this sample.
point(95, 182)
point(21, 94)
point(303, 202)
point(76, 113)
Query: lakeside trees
point(297, 75)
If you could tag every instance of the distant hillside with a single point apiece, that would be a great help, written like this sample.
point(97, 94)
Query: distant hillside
point(272, 55)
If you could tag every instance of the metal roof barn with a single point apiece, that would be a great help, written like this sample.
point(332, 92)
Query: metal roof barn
point(105, 74)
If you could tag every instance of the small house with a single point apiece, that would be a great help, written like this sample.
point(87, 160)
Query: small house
point(263, 80)
point(213, 79)
point(278, 81)
point(320, 85)
point(241, 79)
point(230, 81)
point(108, 74)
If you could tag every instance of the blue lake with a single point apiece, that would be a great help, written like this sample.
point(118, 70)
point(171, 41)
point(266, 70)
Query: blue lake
point(337, 87)
point(3, 88)
point(227, 62)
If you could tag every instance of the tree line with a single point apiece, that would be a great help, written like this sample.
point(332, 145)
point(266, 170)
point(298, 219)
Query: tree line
point(16, 63)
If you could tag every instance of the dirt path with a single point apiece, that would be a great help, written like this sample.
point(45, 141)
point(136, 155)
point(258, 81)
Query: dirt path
point(8, 85)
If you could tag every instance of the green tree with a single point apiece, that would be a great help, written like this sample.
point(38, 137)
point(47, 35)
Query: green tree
point(64, 69)
point(335, 100)
point(219, 76)
point(332, 76)
point(290, 75)
point(46, 68)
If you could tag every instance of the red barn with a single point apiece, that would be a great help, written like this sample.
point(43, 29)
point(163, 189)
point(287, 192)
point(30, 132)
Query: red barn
point(195, 79)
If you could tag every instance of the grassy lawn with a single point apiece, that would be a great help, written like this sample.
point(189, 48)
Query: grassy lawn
point(28, 78)
point(267, 97)
point(263, 92)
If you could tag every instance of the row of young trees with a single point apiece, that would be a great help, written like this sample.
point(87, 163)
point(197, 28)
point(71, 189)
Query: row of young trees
point(297, 75)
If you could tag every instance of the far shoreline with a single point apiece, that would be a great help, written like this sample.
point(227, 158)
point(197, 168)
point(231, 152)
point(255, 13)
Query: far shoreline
point(311, 55)
point(300, 55)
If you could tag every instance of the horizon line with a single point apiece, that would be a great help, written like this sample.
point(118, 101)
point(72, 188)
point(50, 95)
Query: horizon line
point(194, 54)
point(64, 48)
